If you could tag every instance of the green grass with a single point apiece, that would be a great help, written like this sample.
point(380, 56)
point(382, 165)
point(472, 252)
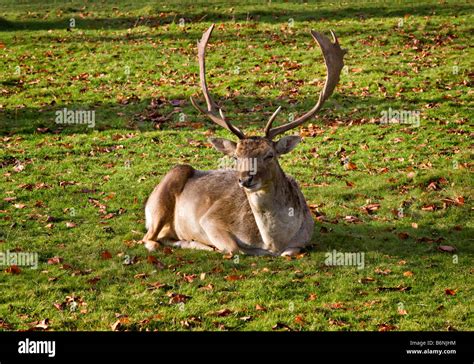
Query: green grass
point(136, 67)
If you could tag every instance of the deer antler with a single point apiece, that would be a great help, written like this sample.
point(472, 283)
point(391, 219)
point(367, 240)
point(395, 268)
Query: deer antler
point(212, 113)
point(334, 58)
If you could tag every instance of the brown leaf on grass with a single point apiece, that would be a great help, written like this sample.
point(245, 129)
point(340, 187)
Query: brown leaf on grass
point(299, 320)
point(402, 312)
point(429, 207)
point(157, 285)
point(366, 280)
point(370, 208)
point(140, 275)
point(425, 239)
point(42, 325)
point(93, 281)
point(209, 287)
point(382, 272)
point(9, 199)
point(116, 326)
point(408, 273)
point(450, 292)
point(108, 216)
point(233, 277)
point(350, 166)
point(281, 326)
point(13, 269)
point(312, 297)
point(5, 325)
point(189, 277)
point(386, 327)
point(400, 288)
point(245, 318)
point(414, 225)
point(223, 313)
point(70, 225)
point(260, 308)
point(458, 201)
point(447, 248)
point(19, 167)
point(55, 260)
point(105, 255)
point(334, 305)
point(403, 235)
point(153, 260)
point(339, 323)
point(177, 298)
point(323, 230)
point(19, 205)
point(67, 183)
point(402, 262)
point(352, 219)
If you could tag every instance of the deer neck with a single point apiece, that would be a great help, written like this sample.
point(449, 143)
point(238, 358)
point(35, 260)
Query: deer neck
point(277, 210)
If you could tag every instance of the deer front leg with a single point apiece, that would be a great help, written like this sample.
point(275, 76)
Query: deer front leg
point(216, 232)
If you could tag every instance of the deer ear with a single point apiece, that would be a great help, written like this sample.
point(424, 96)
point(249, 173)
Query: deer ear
point(223, 145)
point(287, 144)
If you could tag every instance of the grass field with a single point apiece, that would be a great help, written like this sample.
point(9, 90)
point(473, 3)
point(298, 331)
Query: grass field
point(400, 193)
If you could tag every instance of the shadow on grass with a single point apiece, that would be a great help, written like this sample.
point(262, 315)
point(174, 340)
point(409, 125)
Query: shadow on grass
point(138, 115)
point(268, 14)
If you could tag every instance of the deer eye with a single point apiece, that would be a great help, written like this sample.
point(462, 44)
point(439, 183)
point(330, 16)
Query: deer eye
point(268, 157)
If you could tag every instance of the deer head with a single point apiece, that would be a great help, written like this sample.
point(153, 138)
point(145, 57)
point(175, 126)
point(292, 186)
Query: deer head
point(257, 156)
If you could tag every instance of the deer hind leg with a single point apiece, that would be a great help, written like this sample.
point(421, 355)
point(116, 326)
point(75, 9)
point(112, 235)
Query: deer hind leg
point(159, 208)
point(216, 231)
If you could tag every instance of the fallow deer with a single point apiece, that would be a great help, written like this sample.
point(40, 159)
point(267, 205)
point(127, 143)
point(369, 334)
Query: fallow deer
point(257, 211)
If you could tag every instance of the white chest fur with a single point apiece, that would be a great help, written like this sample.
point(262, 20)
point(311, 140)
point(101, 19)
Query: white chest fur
point(277, 221)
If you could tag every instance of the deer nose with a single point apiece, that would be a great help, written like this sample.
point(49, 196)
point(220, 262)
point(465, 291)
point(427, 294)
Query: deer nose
point(246, 181)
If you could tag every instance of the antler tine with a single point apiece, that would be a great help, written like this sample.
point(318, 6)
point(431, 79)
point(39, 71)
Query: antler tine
point(334, 59)
point(270, 121)
point(211, 105)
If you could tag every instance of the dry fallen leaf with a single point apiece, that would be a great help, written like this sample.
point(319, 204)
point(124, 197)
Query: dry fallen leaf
point(312, 297)
point(352, 219)
point(153, 260)
point(450, 292)
point(366, 280)
point(403, 235)
point(281, 326)
point(260, 308)
point(42, 325)
point(386, 327)
point(177, 298)
point(55, 260)
point(447, 248)
point(116, 326)
point(233, 277)
point(383, 272)
point(105, 255)
point(223, 313)
point(408, 273)
point(13, 269)
point(70, 225)
point(299, 320)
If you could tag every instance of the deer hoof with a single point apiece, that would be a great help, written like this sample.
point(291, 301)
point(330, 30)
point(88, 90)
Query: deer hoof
point(290, 252)
point(151, 245)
